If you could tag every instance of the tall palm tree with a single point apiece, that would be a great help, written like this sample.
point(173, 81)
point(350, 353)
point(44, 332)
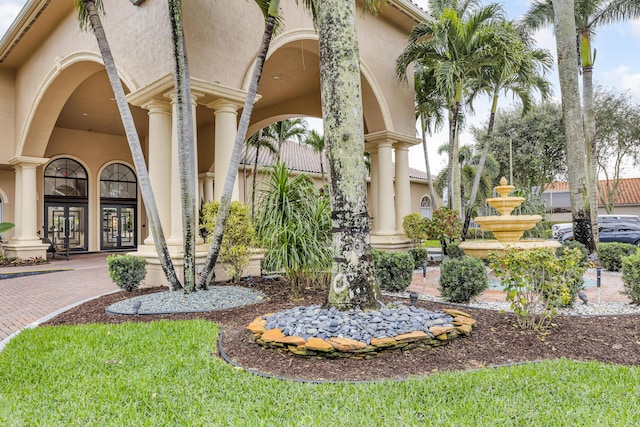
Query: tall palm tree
point(316, 141)
point(577, 165)
point(88, 15)
point(455, 44)
point(430, 107)
point(257, 141)
point(186, 155)
point(281, 132)
point(270, 9)
point(589, 16)
point(353, 283)
point(521, 74)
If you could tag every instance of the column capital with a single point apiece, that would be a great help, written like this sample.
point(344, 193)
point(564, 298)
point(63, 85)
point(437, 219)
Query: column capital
point(389, 137)
point(157, 106)
point(26, 161)
point(195, 96)
point(224, 105)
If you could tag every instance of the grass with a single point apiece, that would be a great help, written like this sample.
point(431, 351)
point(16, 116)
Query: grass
point(164, 373)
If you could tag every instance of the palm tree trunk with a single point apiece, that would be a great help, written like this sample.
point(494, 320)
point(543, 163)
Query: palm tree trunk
point(136, 150)
point(186, 156)
point(479, 169)
point(227, 191)
point(573, 124)
point(353, 283)
point(432, 192)
point(591, 143)
point(255, 173)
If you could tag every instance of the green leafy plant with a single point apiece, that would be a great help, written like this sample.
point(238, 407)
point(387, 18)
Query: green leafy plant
point(415, 227)
point(419, 255)
point(462, 279)
point(454, 251)
point(610, 254)
point(536, 282)
point(127, 271)
point(293, 224)
point(393, 270)
point(238, 238)
point(571, 244)
point(631, 276)
point(445, 226)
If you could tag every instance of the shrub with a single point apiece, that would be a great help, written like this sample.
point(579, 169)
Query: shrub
point(536, 282)
point(462, 279)
point(454, 251)
point(419, 255)
point(610, 254)
point(571, 244)
point(415, 227)
point(127, 271)
point(631, 276)
point(445, 226)
point(393, 270)
point(235, 249)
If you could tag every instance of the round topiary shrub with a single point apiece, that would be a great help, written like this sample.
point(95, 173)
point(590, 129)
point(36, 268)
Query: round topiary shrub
point(420, 256)
point(127, 271)
point(610, 254)
point(393, 270)
point(462, 279)
point(631, 276)
point(454, 251)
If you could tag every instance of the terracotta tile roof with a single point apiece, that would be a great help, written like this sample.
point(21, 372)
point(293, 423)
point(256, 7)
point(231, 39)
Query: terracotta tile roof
point(302, 158)
point(628, 190)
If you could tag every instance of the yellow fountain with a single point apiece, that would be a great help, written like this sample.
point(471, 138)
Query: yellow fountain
point(507, 228)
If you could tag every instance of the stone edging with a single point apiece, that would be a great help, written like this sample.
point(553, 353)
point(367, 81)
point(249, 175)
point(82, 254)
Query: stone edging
point(335, 347)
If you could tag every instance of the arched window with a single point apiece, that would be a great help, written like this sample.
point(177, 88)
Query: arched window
point(426, 209)
point(117, 181)
point(65, 178)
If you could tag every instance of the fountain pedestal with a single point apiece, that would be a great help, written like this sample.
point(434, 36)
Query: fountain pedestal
point(508, 229)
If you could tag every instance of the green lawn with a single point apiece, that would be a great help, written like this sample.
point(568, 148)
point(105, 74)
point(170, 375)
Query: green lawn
point(164, 374)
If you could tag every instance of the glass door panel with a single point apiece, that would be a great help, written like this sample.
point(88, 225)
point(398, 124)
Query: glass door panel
point(66, 225)
point(118, 227)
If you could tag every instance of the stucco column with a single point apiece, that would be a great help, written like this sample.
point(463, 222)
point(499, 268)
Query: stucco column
point(207, 186)
point(373, 190)
point(160, 161)
point(386, 221)
point(402, 185)
point(226, 129)
point(25, 242)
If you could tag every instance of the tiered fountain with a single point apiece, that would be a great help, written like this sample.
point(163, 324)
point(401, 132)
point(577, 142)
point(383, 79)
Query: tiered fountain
point(507, 228)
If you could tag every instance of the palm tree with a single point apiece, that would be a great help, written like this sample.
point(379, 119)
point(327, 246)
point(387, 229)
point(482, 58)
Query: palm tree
point(257, 141)
point(88, 15)
point(521, 74)
point(316, 141)
point(430, 106)
point(270, 9)
point(577, 166)
point(589, 16)
point(186, 156)
point(454, 46)
point(281, 132)
point(353, 283)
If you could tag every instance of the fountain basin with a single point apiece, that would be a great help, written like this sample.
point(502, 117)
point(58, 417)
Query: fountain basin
point(505, 205)
point(481, 248)
point(507, 228)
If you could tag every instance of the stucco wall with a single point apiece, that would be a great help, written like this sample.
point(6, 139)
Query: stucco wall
point(6, 115)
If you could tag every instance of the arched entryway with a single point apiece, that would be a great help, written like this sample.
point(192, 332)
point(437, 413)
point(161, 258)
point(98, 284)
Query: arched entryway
point(65, 204)
point(118, 202)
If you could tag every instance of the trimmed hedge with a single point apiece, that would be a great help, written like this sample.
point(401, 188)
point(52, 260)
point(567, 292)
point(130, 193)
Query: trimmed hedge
point(393, 270)
point(462, 279)
point(631, 276)
point(419, 255)
point(610, 254)
point(127, 271)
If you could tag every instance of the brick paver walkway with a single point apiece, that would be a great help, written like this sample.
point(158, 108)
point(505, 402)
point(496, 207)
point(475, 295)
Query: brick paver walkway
point(24, 300)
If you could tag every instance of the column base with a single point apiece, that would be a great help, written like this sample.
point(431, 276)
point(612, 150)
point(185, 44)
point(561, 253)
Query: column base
point(391, 242)
point(25, 249)
point(155, 275)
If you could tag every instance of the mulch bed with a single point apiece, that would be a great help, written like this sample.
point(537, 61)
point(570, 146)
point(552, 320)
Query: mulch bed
point(496, 340)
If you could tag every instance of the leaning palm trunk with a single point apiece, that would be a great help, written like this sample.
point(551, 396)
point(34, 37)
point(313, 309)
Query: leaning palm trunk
point(227, 191)
point(353, 283)
point(591, 142)
point(479, 169)
point(573, 125)
point(432, 191)
point(134, 144)
point(186, 156)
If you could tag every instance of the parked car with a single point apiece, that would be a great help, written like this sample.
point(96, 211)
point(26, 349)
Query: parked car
point(559, 230)
point(615, 232)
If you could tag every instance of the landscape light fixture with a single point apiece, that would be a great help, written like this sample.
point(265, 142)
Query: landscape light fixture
point(136, 306)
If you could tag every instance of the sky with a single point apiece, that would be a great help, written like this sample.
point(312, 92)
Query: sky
point(617, 65)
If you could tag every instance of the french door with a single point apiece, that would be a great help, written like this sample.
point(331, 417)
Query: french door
point(66, 225)
point(118, 227)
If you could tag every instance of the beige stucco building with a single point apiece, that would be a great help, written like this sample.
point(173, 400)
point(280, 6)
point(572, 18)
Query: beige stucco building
point(65, 169)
